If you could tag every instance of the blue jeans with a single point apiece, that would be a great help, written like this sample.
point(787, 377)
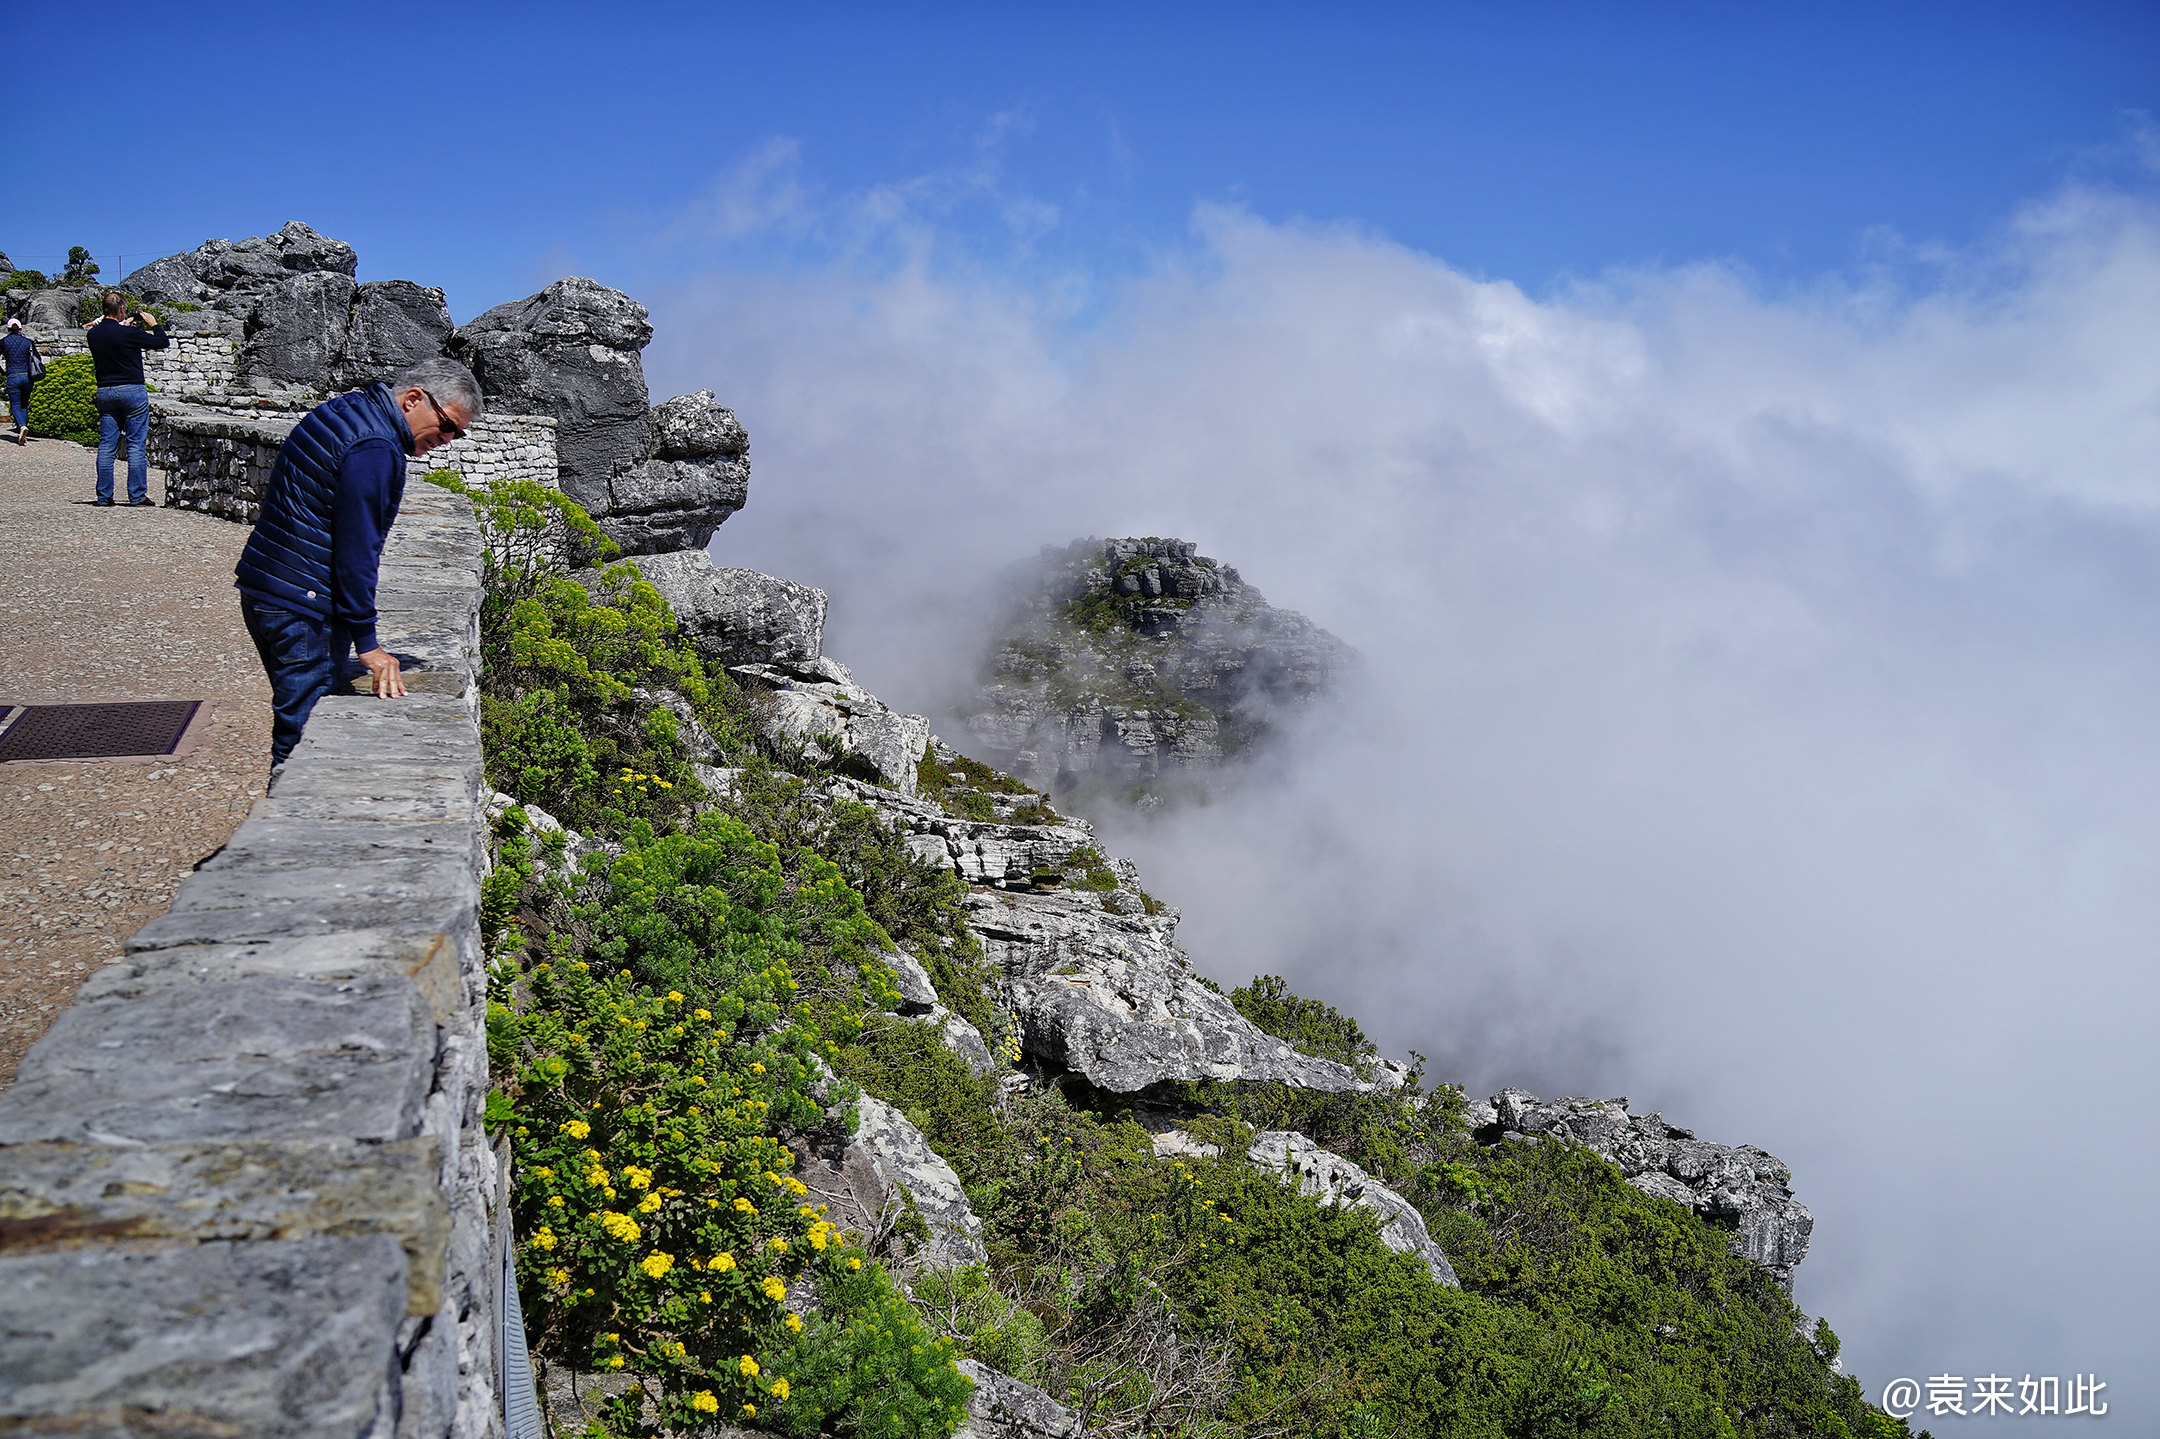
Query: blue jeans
point(18, 399)
point(124, 405)
point(305, 658)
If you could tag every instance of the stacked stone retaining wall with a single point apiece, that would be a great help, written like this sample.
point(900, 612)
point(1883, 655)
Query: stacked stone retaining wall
point(244, 1185)
point(218, 462)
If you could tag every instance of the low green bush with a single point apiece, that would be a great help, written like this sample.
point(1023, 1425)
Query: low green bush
point(63, 405)
point(23, 280)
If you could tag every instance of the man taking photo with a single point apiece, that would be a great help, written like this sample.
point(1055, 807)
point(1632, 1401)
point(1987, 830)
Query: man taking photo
point(307, 577)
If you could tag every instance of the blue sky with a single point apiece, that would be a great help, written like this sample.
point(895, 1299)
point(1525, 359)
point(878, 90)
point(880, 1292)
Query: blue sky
point(1733, 428)
point(484, 147)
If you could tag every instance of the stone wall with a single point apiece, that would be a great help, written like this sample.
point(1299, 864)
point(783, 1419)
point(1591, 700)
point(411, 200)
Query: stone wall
point(218, 461)
point(244, 1186)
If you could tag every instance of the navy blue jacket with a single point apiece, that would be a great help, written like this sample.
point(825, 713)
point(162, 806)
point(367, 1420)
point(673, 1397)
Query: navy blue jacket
point(332, 497)
point(19, 350)
point(117, 350)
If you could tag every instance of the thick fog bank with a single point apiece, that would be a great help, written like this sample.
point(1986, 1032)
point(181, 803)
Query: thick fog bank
point(1759, 703)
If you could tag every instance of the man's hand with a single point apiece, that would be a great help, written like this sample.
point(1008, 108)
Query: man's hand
point(383, 666)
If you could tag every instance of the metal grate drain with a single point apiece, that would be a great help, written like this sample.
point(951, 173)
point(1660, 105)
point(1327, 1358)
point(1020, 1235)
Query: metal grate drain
point(101, 731)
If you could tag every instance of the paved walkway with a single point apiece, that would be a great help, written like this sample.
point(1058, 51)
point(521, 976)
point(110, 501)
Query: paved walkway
point(110, 604)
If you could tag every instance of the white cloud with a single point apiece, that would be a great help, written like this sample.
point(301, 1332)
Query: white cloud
point(1761, 686)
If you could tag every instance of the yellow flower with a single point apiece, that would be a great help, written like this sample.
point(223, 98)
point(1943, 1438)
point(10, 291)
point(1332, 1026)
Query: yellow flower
point(555, 1201)
point(545, 1239)
point(620, 1226)
point(704, 1296)
point(749, 1411)
point(747, 1367)
point(855, 1263)
point(674, 996)
point(649, 1204)
point(798, 1186)
point(745, 1205)
point(806, 1211)
point(721, 1263)
point(558, 1276)
point(794, 1323)
point(779, 1389)
point(704, 1403)
point(657, 1264)
point(819, 1238)
point(779, 1245)
point(596, 1177)
point(757, 1069)
point(544, 1172)
point(615, 1363)
point(576, 1128)
point(639, 1178)
point(702, 1013)
point(774, 1289)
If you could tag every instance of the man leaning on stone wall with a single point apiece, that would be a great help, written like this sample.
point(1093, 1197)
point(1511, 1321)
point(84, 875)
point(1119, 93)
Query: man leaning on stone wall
point(307, 577)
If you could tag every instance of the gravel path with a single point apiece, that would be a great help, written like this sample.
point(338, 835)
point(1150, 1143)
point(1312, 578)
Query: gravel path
point(111, 604)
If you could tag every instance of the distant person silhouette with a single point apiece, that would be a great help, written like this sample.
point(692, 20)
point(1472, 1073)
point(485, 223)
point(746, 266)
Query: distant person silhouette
point(116, 347)
point(22, 367)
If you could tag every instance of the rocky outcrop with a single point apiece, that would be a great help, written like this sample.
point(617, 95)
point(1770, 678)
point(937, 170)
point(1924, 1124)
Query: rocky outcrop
point(888, 1185)
point(1140, 665)
point(739, 617)
point(1110, 997)
point(394, 324)
point(1742, 1188)
point(817, 707)
point(571, 351)
point(296, 329)
point(1332, 1179)
point(1004, 1408)
point(698, 475)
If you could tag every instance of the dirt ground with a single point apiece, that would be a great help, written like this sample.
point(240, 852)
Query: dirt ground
point(111, 604)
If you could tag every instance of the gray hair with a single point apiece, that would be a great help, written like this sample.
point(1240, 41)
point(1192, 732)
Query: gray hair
point(447, 380)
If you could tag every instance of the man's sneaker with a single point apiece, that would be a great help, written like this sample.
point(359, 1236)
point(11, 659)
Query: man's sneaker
point(137, 504)
point(102, 504)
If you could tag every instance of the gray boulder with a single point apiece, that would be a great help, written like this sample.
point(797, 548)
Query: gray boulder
point(693, 427)
point(818, 707)
point(296, 329)
point(739, 617)
point(1742, 1188)
point(659, 505)
point(164, 281)
point(1004, 1408)
point(1334, 1180)
point(262, 260)
point(393, 324)
point(886, 1173)
point(1109, 996)
point(571, 351)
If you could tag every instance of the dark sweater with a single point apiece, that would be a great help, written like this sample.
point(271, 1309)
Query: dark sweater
point(19, 350)
point(330, 502)
point(118, 348)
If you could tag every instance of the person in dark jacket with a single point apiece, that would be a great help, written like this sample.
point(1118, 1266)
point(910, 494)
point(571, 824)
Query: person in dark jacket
point(19, 351)
point(116, 346)
point(307, 576)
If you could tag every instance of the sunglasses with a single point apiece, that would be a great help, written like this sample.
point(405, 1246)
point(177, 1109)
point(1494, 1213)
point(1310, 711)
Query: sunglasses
point(444, 425)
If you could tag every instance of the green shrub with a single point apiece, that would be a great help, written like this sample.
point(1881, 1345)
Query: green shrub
point(23, 280)
point(63, 405)
point(81, 269)
point(1306, 1025)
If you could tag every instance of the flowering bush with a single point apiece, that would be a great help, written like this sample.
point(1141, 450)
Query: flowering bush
point(664, 1232)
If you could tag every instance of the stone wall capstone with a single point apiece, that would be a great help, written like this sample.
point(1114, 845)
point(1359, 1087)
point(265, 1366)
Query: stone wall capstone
point(244, 1184)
